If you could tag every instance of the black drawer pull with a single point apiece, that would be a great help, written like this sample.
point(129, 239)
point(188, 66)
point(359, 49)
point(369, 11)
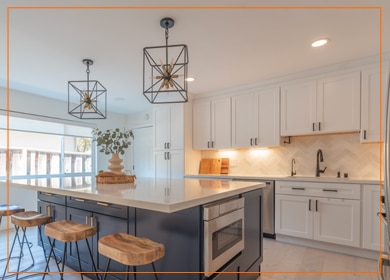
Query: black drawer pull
point(297, 189)
point(329, 190)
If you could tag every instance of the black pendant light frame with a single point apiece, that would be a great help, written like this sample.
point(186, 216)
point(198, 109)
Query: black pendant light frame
point(165, 81)
point(89, 95)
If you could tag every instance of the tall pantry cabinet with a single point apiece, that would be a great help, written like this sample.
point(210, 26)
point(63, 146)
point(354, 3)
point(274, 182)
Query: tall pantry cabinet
point(168, 141)
point(171, 134)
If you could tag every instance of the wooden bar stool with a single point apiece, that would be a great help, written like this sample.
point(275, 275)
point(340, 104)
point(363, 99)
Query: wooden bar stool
point(24, 220)
point(69, 231)
point(130, 250)
point(7, 210)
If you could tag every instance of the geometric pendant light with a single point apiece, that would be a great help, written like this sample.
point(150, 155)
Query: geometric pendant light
point(87, 98)
point(165, 70)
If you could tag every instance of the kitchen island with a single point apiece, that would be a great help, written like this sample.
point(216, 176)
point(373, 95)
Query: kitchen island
point(169, 211)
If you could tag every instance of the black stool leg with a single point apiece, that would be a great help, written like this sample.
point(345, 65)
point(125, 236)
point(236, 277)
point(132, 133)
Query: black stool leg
point(79, 260)
point(90, 254)
point(107, 266)
point(154, 269)
point(12, 248)
point(24, 240)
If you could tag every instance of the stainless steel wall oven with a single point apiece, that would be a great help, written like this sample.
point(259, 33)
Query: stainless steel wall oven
point(223, 233)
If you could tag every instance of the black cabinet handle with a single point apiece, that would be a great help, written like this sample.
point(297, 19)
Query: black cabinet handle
point(314, 129)
point(316, 205)
point(298, 189)
point(251, 141)
point(256, 141)
point(364, 134)
point(319, 126)
point(168, 156)
point(309, 204)
point(208, 144)
point(329, 190)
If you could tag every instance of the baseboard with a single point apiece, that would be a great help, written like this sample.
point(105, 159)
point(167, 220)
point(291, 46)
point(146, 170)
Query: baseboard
point(347, 250)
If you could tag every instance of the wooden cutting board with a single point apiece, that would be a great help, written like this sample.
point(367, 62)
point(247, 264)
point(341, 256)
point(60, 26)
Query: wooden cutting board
point(210, 166)
point(214, 166)
point(225, 166)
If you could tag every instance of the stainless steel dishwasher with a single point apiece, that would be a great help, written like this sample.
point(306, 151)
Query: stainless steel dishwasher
point(268, 206)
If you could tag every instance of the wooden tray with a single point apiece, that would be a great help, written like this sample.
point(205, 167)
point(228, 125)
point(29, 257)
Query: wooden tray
point(112, 178)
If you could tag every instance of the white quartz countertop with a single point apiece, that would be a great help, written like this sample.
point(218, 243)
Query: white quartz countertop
point(323, 179)
point(163, 195)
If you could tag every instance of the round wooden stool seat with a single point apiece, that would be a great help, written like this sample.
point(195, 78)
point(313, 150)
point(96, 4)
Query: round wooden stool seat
point(8, 210)
point(69, 231)
point(130, 250)
point(30, 219)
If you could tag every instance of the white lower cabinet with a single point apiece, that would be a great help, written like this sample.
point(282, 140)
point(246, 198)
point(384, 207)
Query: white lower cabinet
point(371, 222)
point(329, 219)
point(337, 221)
point(293, 216)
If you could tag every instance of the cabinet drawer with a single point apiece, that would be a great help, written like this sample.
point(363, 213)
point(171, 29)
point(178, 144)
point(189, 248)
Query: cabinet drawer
point(53, 198)
point(332, 190)
point(115, 210)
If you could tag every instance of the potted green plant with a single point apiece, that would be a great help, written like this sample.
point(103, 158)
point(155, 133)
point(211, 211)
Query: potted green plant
point(114, 142)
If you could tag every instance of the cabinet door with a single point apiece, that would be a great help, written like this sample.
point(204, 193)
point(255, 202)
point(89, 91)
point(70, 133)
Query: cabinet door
point(169, 164)
point(160, 164)
point(243, 121)
point(221, 123)
point(176, 164)
point(298, 105)
point(370, 103)
point(337, 221)
point(58, 213)
point(267, 125)
point(338, 103)
point(106, 225)
point(161, 126)
point(176, 139)
point(371, 222)
point(201, 121)
point(253, 229)
point(79, 216)
point(294, 216)
point(168, 126)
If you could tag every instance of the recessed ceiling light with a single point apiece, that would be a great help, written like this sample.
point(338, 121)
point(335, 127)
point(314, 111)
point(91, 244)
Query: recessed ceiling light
point(320, 43)
point(190, 79)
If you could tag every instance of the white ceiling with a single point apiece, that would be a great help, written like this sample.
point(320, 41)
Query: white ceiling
point(228, 47)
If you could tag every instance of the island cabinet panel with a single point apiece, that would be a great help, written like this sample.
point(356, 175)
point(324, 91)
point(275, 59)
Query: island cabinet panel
point(252, 253)
point(108, 219)
point(181, 233)
point(58, 212)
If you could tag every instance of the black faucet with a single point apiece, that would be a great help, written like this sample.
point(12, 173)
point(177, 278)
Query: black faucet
point(320, 158)
point(292, 168)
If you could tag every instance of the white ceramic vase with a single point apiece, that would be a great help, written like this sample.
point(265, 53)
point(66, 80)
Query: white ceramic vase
point(116, 164)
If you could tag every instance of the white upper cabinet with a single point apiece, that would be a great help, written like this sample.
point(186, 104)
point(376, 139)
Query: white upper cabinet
point(338, 103)
point(212, 124)
point(256, 119)
point(370, 102)
point(298, 108)
point(327, 105)
point(168, 126)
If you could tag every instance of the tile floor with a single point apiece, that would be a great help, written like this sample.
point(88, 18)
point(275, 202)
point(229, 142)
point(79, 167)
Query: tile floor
point(281, 261)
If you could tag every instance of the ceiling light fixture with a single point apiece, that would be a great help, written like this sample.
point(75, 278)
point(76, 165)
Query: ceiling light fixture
point(90, 97)
point(319, 43)
point(165, 70)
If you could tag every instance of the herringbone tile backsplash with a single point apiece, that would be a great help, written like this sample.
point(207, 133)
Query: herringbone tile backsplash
point(342, 152)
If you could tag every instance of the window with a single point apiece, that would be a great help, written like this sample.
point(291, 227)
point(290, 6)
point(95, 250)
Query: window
point(47, 153)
